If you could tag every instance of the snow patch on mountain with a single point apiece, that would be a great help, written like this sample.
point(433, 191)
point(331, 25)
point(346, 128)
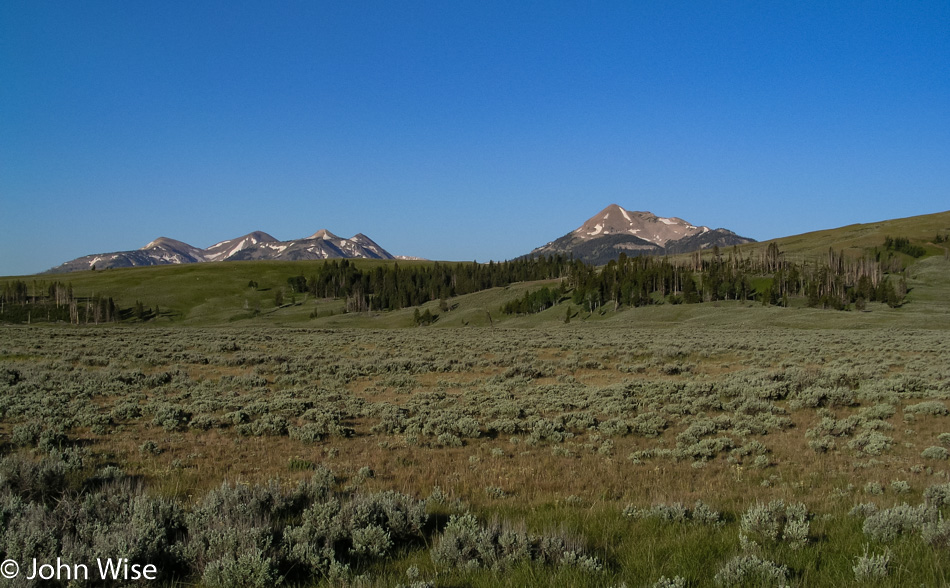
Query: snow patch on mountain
point(257, 245)
point(615, 229)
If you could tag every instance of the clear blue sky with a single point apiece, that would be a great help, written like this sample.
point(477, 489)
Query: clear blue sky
point(460, 130)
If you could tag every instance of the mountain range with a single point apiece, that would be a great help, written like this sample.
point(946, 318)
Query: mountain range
point(615, 230)
point(603, 237)
point(257, 245)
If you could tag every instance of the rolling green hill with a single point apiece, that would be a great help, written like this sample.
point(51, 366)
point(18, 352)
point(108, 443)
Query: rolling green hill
point(856, 238)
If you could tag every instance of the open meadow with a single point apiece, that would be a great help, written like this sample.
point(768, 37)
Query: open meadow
point(621, 451)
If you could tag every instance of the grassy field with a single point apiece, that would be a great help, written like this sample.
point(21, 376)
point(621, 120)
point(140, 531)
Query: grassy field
point(598, 437)
point(715, 444)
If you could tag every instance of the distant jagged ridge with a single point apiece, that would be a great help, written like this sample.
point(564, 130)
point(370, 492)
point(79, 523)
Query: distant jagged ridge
point(615, 230)
point(257, 245)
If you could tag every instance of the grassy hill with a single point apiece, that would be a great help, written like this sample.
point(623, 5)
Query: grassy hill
point(859, 237)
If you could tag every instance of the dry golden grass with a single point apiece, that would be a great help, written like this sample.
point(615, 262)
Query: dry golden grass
point(192, 462)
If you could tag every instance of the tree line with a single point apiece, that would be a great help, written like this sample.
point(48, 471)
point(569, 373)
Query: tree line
point(903, 245)
point(395, 286)
point(56, 302)
point(535, 301)
point(837, 282)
